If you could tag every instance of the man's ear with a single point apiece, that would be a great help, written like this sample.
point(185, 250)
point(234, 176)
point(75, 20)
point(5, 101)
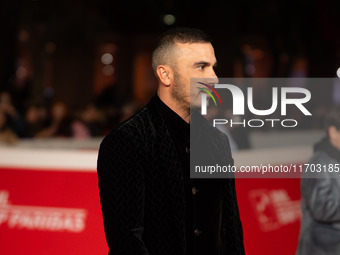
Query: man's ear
point(164, 74)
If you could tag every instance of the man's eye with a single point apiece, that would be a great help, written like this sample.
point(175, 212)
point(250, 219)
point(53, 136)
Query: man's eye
point(201, 67)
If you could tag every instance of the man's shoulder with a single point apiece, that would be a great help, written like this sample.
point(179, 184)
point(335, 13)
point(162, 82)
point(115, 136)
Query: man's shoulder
point(215, 133)
point(321, 157)
point(134, 123)
point(315, 167)
point(129, 128)
point(203, 124)
point(202, 128)
point(136, 128)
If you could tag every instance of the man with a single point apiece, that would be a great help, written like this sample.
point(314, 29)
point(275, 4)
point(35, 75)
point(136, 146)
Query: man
point(320, 192)
point(150, 205)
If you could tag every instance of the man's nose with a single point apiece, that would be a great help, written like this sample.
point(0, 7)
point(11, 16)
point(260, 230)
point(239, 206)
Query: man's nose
point(212, 78)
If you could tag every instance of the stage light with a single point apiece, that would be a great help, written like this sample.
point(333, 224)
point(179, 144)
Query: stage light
point(107, 58)
point(169, 19)
point(338, 72)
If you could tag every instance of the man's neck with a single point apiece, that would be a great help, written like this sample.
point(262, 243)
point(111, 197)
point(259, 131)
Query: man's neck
point(175, 106)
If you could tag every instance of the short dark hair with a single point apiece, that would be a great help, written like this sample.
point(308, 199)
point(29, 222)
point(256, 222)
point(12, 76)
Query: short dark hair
point(168, 40)
point(333, 118)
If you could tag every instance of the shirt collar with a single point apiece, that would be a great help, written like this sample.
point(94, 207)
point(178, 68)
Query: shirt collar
point(174, 122)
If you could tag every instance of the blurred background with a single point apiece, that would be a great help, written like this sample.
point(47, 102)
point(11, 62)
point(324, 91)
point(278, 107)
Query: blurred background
point(70, 71)
point(76, 69)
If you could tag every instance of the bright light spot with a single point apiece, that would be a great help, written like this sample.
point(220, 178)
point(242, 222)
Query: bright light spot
point(108, 70)
point(169, 19)
point(107, 59)
point(338, 72)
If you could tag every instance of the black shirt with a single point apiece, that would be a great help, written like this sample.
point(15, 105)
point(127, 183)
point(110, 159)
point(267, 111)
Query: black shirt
point(203, 197)
point(180, 132)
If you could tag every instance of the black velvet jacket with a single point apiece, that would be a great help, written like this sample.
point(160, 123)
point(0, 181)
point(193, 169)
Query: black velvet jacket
point(144, 199)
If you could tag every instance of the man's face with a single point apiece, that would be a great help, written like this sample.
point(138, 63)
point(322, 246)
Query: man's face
point(335, 137)
point(195, 60)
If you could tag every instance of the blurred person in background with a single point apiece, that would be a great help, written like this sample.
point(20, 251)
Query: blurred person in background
point(88, 123)
point(111, 104)
point(14, 120)
point(59, 123)
point(320, 194)
point(35, 120)
point(93, 119)
point(7, 135)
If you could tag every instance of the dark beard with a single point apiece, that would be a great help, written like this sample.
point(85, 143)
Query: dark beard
point(178, 90)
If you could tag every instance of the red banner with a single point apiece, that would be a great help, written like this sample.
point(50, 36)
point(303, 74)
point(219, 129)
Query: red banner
point(270, 213)
point(50, 212)
point(57, 211)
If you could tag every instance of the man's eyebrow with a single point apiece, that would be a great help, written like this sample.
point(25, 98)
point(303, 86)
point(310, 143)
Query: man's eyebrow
point(204, 63)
